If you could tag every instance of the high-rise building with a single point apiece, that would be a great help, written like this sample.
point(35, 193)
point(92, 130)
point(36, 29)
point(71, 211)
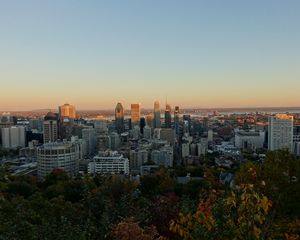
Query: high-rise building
point(67, 111)
point(135, 114)
point(36, 124)
point(168, 134)
point(89, 135)
point(176, 120)
point(163, 157)
point(168, 116)
point(188, 120)
point(13, 137)
point(142, 124)
point(149, 120)
point(101, 126)
point(156, 123)
point(280, 132)
point(63, 156)
point(119, 118)
point(50, 127)
point(147, 132)
point(137, 158)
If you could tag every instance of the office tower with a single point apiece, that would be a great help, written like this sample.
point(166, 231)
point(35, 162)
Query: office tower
point(89, 135)
point(135, 114)
point(168, 117)
point(168, 134)
point(13, 137)
point(114, 141)
point(63, 156)
point(147, 132)
point(142, 124)
point(50, 126)
point(156, 123)
point(280, 132)
point(101, 126)
point(187, 118)
point(149, 120)
point(66, 128)
point(163, 157)
point(67, 111)
point(176, 120)
point(119, 118)
point(36, 124)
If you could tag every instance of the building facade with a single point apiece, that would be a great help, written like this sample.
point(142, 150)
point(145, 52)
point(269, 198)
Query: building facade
point(119, 118)
point(64, 156)
point(67, 111)
point(280, 132)
point(13, 137)
point(109, 163)
point(156, 120)
point(50, 126)
point(135, 114)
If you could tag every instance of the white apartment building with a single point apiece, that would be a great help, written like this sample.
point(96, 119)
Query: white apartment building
point(280, 132)
point(13, 137)
point(108, 163)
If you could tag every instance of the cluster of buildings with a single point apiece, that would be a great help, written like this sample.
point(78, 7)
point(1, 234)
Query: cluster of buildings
point(138, 142)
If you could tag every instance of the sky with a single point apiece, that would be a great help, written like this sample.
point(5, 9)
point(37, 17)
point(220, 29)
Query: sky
point(192, 53)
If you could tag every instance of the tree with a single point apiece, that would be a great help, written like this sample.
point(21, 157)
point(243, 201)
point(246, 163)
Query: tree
point(245, 216)
point(130, 230)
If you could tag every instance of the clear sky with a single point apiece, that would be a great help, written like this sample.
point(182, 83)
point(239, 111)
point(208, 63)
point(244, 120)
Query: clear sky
point(195, 53)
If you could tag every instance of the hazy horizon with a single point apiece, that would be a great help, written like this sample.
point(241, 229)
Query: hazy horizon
point(127, 108)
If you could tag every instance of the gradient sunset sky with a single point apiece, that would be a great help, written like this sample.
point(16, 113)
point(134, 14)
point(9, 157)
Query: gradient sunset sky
point(194, 53)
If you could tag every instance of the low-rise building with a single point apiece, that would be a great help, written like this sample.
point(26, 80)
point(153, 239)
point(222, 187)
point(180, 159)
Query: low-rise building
point(108, 163)
point(249, 139)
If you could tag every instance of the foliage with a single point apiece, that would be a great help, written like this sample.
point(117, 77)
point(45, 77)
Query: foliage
point(263, 205)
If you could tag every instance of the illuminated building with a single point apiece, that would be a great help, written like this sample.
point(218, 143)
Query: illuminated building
point(67, 111)
point(280, 132)
point(119, 118)
point(135, 114)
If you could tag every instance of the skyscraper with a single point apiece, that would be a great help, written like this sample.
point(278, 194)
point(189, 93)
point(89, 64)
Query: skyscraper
point(176, 120)
point(149, 120)
point(119, 118)
point(280, 132)
point(89, 135)
point(67, 111)
point(135, 114)
point(156, 115)
point(142, 124)
point(168, 117)
point(50, 126)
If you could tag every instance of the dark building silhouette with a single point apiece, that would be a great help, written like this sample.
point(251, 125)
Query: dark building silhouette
point(119, 118)
point(168, 116)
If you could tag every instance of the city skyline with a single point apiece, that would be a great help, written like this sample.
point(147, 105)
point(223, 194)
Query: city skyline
point(197, 54)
